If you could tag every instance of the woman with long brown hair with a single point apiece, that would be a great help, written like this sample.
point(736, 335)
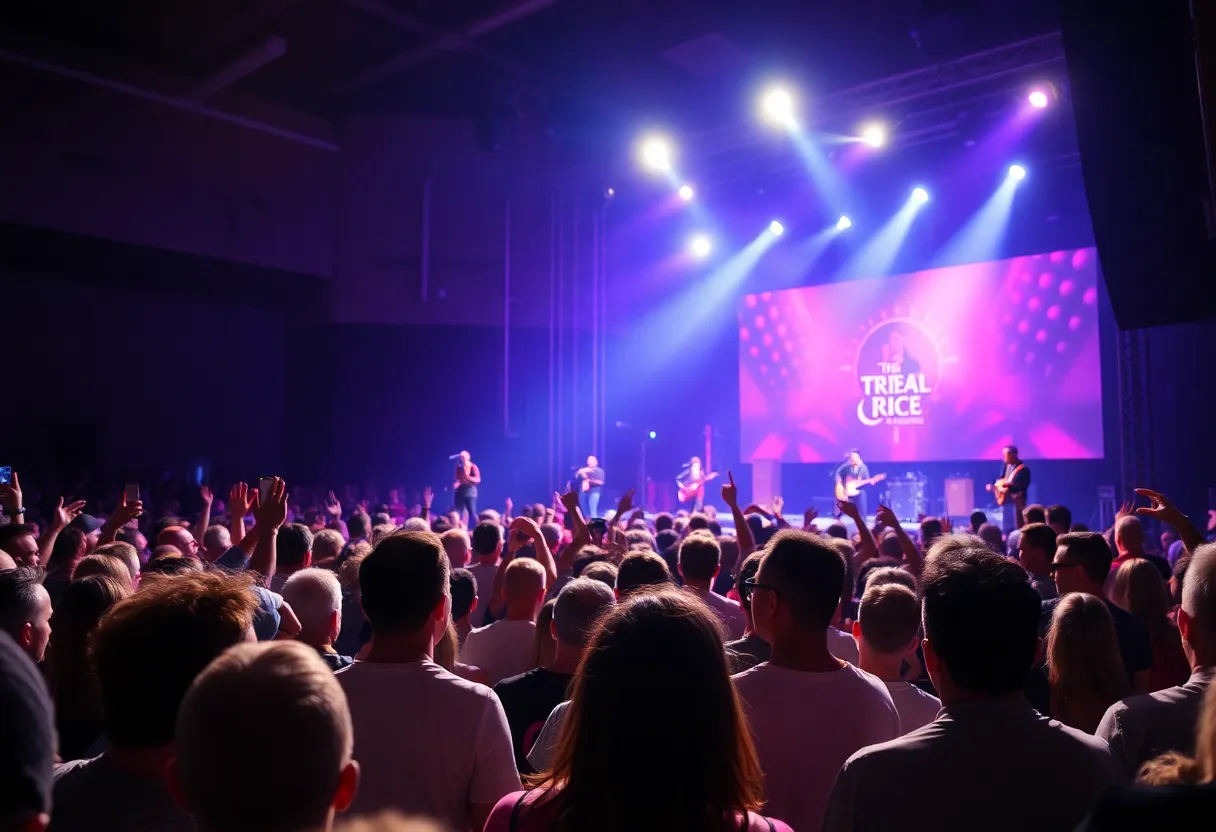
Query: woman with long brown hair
point(1139, 589)
point(1084, 667)
point(68, 668)
point(623, 760)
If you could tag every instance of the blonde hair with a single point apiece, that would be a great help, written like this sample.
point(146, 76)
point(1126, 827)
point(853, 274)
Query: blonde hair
point(289, 700)
point(456, 540)
point(447, 648)
point(525, 578)
point(1177, 769)
point(1086, 673)
point(1140, 590)
point(390, 821)
point(327, 543)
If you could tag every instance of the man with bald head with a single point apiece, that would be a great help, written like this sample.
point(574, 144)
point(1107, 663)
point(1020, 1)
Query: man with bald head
point(1129, 544)
point(179, 538)
point(1142, 727)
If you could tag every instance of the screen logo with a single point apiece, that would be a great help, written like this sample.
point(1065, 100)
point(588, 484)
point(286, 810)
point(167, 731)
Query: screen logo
point(898, 366)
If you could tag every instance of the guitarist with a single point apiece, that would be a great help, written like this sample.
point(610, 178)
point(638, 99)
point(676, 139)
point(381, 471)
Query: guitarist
point(692, 481)
point(1013, 482)
point(853, 468)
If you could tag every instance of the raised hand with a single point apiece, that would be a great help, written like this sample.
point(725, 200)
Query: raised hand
point(1159, 507)
point(886, 517)
point(848, 509)
point(730, 491)
point(332, 507)
point(1127, 508)
point(272, 511)
point(428, 497)
point(510, 505)
point(809, 515)
point(623, 506)
point(241, 499)
point(66, 514)
point(570, 501)
point(205, 493)
point(778, 504)
point(10, 495)
point(124, 514)
point(947, 525)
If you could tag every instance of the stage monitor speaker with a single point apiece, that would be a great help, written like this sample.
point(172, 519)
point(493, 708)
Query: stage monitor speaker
point(906, 497)
point(960, 496)
point(1142, 75)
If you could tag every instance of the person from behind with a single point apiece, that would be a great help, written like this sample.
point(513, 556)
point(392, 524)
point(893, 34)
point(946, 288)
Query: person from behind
point(748, 651)
point(287, 700)
point(1036, 547)
point(808, 709)
point(1139, 590)
point(1060, 519)
point(327, 546)
point(126, 554)
point(1140, 728)
point(981, 623)
point(25, 610)
point(1082, 564)
point(467, 764)
point(315, 596)
point(544, 645)
point(216, 541)
point(504, 648)
point(887, 632)
point(70, 547)
point(1083, 665)
point(487, 544)
point(639, 570)
point(1129, 545)
point(463, 587)
point(528, 699)
point(697, 772)
point(700, 561)
point(69, 672)
point(456, 546)
point(27, 742)
point(146, 652)
point(293, 553)
point(105, 566)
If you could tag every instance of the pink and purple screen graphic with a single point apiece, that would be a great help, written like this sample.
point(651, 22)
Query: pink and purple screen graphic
point(947, 364)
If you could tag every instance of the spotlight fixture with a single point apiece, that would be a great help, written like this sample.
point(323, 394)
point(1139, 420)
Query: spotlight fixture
point(686, 193)
point(843, 223)
point(609, 193)
point(875, 135)
point(1017, 172)
point(776, 228)
point(777, 106)
point(1037, 99)
point(920, 196)
point(700, 245)
point(654, 152)
point(654, 434)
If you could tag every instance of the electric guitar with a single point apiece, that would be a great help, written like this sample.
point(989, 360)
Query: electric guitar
point(851, 486)
point(693, 488)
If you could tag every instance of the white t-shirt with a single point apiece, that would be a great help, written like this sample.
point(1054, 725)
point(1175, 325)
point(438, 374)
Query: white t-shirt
point(502, 649)
point(729, 611)
point(427, 742)
point(805, 726)
point(916, 708)
point(484, 574)
point(842, 645)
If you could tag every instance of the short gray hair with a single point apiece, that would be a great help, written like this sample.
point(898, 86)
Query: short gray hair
point(415, 524)
point(217, 537)
point(1199, 592)
point(327, 543)
point(314, 595)
point(579, 605)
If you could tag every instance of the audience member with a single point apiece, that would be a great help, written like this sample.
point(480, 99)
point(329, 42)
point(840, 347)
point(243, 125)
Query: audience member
point(967, 769)
point(327, 546)
point(887, 629)
point(487, 545)
point(20, 542)
point(544, 645)
point(286, 700)
point(622, 761)
point(456, 547)
point(505, 648)
point(315, 596)
point(146, 652)
point(25, 610)
point(991, 534)
point(1084, 669)
point(528, 699)
point(748, 651)
point(293, 552)
point(104, 565)
point(27, 742)
point(1142, 727)
point(1129, 544)
point(70, 547)
point(449, 754)
point(180, 538)
point(700, 561)
point(1036, 547)
point(1060, 520)
point(603, 572)
point(1082, 564)
point(216, 541)
point(463, 587)
point(808, 710)
point(69, 672)
point(641, 569)
point(978, 519)
point(1175, 769)
point(124, 553)
point(1138, 589)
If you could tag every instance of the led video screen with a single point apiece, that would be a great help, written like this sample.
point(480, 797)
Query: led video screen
point(946, 364)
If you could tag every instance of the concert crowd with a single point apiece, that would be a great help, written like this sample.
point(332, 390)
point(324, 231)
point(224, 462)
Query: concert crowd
point(265, 657)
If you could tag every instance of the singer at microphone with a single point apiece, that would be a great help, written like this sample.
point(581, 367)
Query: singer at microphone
point(468, 476)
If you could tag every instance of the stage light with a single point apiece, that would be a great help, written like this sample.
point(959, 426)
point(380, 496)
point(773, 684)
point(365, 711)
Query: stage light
point(1037, 99)
point(875, 135)
point(654, 435)
point(920, 196)
point(700, 245)
point(609, 193)
point(654, 153)
point(1017, 172)
point(777, 106)
point(686, 193)
point(776, 228)
point(843, 223)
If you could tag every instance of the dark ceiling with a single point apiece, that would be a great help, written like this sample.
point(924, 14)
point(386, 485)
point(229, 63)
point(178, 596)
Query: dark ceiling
point(573, 62)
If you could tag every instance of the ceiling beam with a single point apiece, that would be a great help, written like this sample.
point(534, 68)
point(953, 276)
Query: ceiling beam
point(249, 62)
point(439, 42)
point(251, 22)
